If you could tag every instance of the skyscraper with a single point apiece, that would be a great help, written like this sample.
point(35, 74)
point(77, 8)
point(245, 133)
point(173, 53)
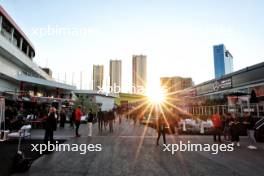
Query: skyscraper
point(98, 76)
point(223, 61)
point(115, 72)
point(139, 72)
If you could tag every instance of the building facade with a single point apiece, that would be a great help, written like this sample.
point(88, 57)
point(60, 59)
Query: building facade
point(18, 72)
point(176, 83)
point(139, 72)
point(98, 77)
point(244, 81)
point(115, 72)
point(223, 61)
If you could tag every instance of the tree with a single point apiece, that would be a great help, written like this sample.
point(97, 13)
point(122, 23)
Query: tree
point(86, 104)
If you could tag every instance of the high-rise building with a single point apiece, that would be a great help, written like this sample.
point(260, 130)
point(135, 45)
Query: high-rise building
point(115, 72)
point(98, 76)
point(139, 72)
point(223, 61)
point(176, 83)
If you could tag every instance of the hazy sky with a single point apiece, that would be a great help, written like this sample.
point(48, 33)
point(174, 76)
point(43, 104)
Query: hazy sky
point(177, 36)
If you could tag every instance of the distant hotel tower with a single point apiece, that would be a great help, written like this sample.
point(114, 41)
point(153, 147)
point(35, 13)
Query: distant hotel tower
point(98, 76)
point(139, 71)
point(176, 83)
point(223, 61)
point(115, 72)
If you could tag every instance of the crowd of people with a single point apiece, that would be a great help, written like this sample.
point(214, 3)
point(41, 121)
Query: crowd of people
point(230, 125)
point(104, 118)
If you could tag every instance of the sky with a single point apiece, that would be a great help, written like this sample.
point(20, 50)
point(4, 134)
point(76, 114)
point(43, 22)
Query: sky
point(177, 36)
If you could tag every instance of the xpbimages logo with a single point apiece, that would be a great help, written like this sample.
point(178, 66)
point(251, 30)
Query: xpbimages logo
point(50, 147)
point(189, 147)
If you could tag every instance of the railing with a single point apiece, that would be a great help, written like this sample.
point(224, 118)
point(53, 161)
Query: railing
point(256, 110)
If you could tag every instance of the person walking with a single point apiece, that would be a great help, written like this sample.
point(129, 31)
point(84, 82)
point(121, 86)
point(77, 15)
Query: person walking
point(161, 129)
point(226, 125)
point(111, 117)
point(72, 118)
point(100, 117)
point(90, 122)
point(78, 115)
point(250, 123)
point(119, 114)
point(50, 125)
point(105, 119)
point(217, 124)
point(235, 130)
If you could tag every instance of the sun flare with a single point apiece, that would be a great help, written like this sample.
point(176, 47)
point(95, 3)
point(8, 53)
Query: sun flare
point(155, 95)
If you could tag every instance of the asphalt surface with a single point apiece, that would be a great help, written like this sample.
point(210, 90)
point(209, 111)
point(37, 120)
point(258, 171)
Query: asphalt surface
point(127, 152)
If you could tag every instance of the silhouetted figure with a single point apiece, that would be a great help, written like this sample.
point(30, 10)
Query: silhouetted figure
point(62, 118)
point(250, 123)
point(72, 118)
point(226, 125)
point(105, 119)
point(161, 124)
point(8, 118)
point(100, 117)
point(50, 125)
point(111, 118)
point(235, 130)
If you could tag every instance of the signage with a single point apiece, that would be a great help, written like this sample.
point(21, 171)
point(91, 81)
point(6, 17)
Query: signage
point(222, 84)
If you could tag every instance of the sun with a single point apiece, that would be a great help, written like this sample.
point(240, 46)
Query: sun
point(155, 95)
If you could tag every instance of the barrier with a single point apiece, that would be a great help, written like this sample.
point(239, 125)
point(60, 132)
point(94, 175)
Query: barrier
point(256, 110)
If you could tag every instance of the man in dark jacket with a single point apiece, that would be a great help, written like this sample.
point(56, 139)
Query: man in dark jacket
point(50, 125)
point(161, 123)
point(250, 123)
point(111, 118)
point(62, 117)
point(100, 117)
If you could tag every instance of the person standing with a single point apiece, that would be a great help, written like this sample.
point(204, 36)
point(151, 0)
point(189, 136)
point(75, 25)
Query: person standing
point(78, 115)
point(50, 125)
point(90, 122)
point(100, 117)
point(62, 117)
point(8, 118)
point(217, 124)
point(161, 129)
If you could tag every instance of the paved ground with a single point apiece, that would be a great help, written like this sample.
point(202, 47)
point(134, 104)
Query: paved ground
point(125, 152)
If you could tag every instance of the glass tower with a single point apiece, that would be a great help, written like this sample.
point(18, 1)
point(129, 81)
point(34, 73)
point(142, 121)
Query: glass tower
point(223, 61)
